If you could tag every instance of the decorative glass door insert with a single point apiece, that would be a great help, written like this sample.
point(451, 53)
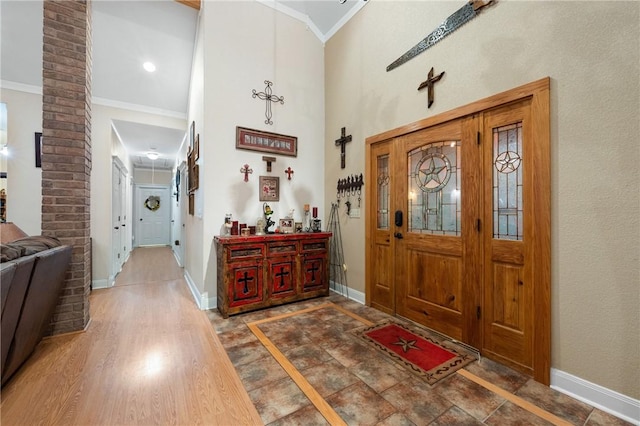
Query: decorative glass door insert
point(507, 182)
point(434, 189)
point(383, 191)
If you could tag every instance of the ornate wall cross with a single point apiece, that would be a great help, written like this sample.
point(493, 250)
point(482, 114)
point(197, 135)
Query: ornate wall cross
point(269, 97)
point(428, 83)
point(289, 172)
point(342, 142)
point(246, 170)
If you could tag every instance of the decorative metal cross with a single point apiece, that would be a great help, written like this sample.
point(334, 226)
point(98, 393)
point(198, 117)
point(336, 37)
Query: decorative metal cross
point(267, 96)
point(428, 83)
point(246, 170)
point(289, 172)
point(269, 160)
point(342, 141)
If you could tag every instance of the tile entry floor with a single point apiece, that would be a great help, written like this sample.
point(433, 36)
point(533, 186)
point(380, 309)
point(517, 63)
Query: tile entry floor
point(363, 387)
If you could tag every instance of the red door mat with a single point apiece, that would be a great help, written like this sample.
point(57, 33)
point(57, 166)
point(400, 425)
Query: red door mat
point(424, 355)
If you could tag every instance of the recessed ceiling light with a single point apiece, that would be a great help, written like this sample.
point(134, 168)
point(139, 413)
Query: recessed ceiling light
point(149, 66)
point(152, 155)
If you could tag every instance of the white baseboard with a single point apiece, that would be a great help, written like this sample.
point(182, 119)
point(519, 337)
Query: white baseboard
point(598, 396)
point(203, 300)
point(98, 284)
point(177, 258)
point(349, 293)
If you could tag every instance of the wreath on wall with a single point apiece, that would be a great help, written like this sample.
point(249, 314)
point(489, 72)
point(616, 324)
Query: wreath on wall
point(152, 203)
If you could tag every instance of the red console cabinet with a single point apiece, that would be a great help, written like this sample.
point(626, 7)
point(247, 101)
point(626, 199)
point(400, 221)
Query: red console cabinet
point(258, 271)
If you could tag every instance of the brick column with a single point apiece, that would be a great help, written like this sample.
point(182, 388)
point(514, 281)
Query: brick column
point(66, 150)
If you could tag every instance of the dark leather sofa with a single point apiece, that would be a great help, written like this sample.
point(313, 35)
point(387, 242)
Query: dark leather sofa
point(31, 276)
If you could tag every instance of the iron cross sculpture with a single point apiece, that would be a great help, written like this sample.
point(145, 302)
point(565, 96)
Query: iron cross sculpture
point(269, 97)
point(342, 142)
point(428, 83)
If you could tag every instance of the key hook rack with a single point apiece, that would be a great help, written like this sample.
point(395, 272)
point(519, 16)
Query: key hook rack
point(351, 185)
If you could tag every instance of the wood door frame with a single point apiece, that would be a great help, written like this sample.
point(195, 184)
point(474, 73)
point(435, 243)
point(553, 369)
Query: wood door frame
point(539, 94)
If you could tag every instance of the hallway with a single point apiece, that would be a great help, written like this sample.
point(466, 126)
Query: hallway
point(148, 356)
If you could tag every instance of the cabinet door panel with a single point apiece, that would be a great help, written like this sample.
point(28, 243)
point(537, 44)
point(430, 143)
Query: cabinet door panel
point(246, 285)
point(282, 273)
point(314, 272)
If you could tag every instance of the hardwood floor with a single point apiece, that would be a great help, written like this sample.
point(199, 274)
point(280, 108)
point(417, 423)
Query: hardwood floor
point(148, 356)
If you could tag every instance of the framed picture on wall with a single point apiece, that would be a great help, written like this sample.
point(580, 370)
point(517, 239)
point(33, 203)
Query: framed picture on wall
point(258, 140)
point(38, 140)
point(269, 188)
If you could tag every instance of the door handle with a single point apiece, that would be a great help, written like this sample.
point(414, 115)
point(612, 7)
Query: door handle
point(116, 227)
point(124, 224)
point(140, 219)
point(398, 235)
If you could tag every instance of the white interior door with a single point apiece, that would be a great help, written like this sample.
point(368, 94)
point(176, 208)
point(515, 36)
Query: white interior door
point(119, 247)
point(116, 200)
point(153, 204)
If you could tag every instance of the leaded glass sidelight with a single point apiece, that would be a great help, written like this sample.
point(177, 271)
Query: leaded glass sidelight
point(434, 188)
point(507, 182)
point(383, 192)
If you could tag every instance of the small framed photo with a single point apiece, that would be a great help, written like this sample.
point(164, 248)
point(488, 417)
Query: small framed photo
point(269, 188)
point(287, 226)
point(38, 149)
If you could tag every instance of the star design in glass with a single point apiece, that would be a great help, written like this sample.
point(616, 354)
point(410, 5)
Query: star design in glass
point(431, 173)
point(507, 162)
point(406, 344)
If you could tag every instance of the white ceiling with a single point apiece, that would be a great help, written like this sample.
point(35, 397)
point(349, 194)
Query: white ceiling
point(126, 34)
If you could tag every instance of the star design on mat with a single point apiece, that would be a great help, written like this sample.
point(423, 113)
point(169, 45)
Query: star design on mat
point(406, 344)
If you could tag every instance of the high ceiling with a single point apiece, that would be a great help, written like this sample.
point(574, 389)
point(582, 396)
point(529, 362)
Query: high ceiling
point(127, 33)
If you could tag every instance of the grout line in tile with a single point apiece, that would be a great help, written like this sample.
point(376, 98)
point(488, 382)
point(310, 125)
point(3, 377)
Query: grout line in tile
point(533, 409)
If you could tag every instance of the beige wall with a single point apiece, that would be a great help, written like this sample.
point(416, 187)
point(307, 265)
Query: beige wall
point(591, 52)
point(24, 179)
point(245, 43)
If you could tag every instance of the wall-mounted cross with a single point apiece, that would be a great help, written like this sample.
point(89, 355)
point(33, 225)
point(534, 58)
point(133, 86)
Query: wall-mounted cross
point(342, 142)
point(269, 160)
point(289, 172)
point(269, 97)
point(246, 170)
point(428, 83)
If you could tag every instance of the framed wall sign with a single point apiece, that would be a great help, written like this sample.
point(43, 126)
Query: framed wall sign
point(38, 149)
point(269, 188)
point(258, 140)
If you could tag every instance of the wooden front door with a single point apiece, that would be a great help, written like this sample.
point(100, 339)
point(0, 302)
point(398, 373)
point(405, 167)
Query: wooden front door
point(432, 255)
point(458, 226)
